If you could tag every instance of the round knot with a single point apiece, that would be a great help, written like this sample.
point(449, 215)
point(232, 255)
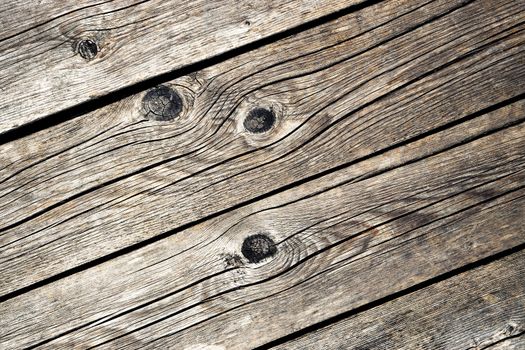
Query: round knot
point(162, 103)
point(259, 120)
point(258, 247)
point(87, 49)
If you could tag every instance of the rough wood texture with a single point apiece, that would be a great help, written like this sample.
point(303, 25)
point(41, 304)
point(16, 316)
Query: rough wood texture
point(60, 53)
point(95, 185)
point(360, 184)
point(479, 309)
point(340, 234)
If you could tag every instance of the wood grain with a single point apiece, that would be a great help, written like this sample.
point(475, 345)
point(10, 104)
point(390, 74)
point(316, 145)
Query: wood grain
point(337, 238)
point(479, 309)
point(43, 72)
point(112, 179)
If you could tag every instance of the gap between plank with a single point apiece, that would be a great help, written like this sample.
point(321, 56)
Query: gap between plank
point(504, 340)
point(151, 166)
point(117, 95)
point(391, 297)
point(166, 234)
point(114, 316)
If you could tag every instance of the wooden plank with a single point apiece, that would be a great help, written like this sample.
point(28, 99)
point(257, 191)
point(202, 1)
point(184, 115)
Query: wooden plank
point(340, 234)
point(479, 309)
point(93, 186)
point(59, 54)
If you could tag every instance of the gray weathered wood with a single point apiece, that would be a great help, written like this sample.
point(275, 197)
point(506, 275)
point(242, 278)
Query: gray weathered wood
point(97, 184)
point(479, 309)
point(42, 70)
point(342, 241)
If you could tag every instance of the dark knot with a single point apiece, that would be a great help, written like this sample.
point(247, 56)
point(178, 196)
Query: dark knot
point(87, 49)
point(162, 103)
point(258, 247)
point(259, 120)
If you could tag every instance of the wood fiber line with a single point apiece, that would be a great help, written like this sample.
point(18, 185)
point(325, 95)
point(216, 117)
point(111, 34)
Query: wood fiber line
point(206, 286)
point(88, 49)
point(91, 187)
point(480, 309)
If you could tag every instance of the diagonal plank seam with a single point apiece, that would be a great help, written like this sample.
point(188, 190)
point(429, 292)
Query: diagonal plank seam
point(503, 340)
point(144, 243)
point(270, 278)
point(66, 199)
point(151, 166)
point(117, 95)
point(396, 295)
point(258, 72)
point(108, 318)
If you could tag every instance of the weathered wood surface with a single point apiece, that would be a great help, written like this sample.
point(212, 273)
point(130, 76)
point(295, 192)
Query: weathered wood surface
point(360, 184)
point(352, 88)
point(57, 54)
point(341, 241)
point(479, 309)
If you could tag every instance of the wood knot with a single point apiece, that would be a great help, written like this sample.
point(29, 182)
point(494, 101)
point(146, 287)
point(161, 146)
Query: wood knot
point(259, 120)
point(87, 49)
point(258, 247)
point(162, 103)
